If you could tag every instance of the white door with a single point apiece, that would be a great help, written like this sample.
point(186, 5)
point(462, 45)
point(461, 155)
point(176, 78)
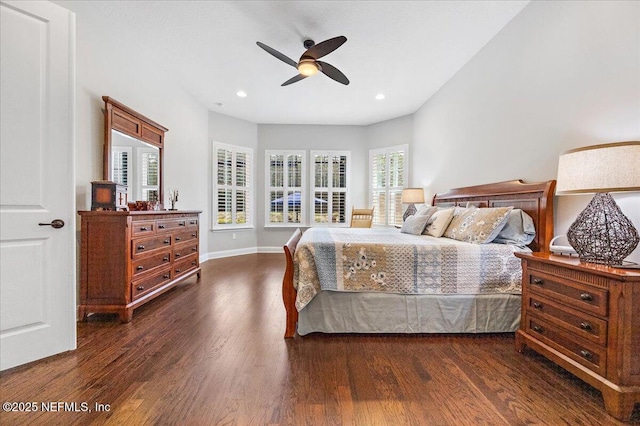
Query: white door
point(37, 263)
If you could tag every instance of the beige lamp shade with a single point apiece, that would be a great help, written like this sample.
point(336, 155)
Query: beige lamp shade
point(412, 195)
point(610, 167)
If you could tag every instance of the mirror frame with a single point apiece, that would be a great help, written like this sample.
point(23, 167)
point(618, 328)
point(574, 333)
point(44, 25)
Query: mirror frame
point(123, 119)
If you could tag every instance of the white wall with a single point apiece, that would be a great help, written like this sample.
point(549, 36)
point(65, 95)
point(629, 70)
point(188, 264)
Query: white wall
point(560, 75)
point(311, 137)
point(239, 132)
point(110, 64)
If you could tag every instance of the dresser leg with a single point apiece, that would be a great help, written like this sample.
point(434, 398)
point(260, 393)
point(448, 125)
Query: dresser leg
point(82, 314)
point(619, 405)
point(126, 315)
point(520, 342)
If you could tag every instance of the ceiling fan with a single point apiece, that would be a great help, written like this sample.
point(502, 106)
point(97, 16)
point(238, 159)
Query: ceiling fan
point(309, 64)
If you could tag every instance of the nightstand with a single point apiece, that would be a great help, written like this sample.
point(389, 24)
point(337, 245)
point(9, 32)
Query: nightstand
point(586, 318)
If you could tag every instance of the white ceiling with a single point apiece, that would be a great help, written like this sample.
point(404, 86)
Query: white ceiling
point(404, 49)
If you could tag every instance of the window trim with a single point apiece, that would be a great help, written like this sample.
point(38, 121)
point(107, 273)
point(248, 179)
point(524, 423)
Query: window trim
point(330, 189)
point(268, 188)
point(387, 189)
point(250, 205)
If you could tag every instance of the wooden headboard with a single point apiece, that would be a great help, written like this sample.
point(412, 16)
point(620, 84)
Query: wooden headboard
point(536, 199)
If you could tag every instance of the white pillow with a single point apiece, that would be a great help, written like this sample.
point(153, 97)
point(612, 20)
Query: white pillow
point(415, 224)
point(438, 222)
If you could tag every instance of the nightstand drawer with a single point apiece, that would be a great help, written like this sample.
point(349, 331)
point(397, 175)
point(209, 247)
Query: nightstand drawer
point(586, 353)
point(576, 322)
point(580, 296)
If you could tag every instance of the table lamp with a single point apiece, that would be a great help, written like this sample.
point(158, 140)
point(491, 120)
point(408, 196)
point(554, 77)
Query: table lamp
point(601, 233)
point(411, 196)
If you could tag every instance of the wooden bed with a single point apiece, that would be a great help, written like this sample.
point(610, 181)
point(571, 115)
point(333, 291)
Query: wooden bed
point(536, 199)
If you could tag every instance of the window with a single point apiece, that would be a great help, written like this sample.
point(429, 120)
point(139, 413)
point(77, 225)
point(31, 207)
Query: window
point(121, 167)
point(149, 179)
point(233, 186)
point(388, 176)
point(285, 172)
point(329, 190)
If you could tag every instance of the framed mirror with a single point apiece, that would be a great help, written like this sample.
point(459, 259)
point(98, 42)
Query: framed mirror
point(133, 152)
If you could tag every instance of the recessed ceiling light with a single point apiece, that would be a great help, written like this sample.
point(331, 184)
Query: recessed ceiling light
point(241, 94)
point(380, 96)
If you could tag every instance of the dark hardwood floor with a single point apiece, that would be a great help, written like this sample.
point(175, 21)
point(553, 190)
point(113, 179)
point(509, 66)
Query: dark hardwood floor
point(212, 352)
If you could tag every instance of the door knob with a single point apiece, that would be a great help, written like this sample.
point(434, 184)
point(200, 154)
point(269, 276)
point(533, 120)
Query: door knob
point(56, 223)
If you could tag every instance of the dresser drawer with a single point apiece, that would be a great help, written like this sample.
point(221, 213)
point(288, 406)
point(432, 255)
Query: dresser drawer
point(580, 296)
point(142, 246)
point(184, 250)
point(167, 225)
point(576, 322)
point(586, 353)
point(181, 237)
point(192, 222)
point(185, 265)
point(142, 228)
point(141, 287)
point(148, 263)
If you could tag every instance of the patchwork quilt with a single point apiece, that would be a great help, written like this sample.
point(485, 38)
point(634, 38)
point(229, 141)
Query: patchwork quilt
point(385, 260)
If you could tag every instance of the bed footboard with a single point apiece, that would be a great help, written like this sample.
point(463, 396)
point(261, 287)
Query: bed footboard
point(288, 291)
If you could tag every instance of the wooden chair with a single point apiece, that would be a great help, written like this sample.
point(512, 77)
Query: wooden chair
point(361, 218)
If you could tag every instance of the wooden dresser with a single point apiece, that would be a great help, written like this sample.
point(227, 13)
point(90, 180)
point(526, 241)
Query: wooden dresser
point(129, 258)
point(585, 318)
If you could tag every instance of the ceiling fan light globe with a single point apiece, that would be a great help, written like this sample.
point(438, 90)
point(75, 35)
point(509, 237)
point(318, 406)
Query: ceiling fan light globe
point(307, 67)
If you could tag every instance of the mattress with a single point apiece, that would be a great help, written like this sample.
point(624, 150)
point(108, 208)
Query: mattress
point(349, 260)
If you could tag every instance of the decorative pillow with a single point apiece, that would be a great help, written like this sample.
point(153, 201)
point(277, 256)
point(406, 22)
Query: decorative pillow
point(415, 224)
point(426, 211)
point(439, 222)
point(477, 226)
point(518, 230)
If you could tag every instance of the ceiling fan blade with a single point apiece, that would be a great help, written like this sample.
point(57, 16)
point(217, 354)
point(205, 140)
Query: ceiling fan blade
point(324, 48)
point(278, 55)
point(293, 79)
point(333, 72)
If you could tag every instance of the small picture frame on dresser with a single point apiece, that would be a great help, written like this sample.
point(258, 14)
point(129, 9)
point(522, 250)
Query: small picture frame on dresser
point(108, 196)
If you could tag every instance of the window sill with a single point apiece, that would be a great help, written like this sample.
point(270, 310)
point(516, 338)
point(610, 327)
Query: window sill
point(233, 228)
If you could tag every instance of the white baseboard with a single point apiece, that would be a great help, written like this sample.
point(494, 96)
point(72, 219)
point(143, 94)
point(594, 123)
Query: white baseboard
point(238, 252)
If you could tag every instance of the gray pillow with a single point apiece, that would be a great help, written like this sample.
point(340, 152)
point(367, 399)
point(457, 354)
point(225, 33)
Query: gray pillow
point(519, 229)
point(415, 224)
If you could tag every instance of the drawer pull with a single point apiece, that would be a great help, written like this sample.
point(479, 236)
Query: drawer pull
point(165, 259)
point(538, 281)
point(178, 238)
point(537, 305)
point(192, 222)
point(143, 228)
point(586, 296)
point(177, 255)
point(193, 263)
point(161, 226)
point(194, 235)
point(182, 224)
point(585, 326)
point(177, 271)
point(167, 241)
point(140, 247)
point(140, 288)
point(140, 268)
point(165, 276)
point(538, 329)
point(585, 354)
point(194, 248)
